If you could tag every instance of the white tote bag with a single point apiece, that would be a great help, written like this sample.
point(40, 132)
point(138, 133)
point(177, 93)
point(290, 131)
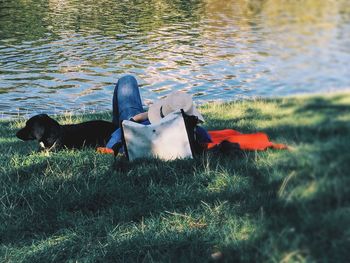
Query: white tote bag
point(166, 140)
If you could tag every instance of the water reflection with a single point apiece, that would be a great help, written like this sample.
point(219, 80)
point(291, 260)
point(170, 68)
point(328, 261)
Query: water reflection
point(58, 55)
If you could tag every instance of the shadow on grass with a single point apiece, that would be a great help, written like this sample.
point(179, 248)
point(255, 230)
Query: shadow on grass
point(253, 207)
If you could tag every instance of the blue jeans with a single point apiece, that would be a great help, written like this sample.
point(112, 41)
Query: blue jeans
point(126, 99)
point(127, 103)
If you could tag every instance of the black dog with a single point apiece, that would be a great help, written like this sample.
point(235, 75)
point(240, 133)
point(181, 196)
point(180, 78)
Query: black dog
point(52, 135)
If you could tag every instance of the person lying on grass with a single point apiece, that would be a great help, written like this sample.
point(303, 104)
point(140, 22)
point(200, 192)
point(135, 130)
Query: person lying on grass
point(127, 105)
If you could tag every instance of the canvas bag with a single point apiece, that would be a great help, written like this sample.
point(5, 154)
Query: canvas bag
point(166, 140)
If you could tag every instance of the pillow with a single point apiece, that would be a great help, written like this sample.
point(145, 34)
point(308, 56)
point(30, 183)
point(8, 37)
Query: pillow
point(167, 140)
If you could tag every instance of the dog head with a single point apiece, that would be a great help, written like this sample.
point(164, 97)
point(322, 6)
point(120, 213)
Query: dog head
point(40, 127)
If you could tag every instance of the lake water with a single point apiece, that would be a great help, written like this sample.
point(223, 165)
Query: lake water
point(66, 55)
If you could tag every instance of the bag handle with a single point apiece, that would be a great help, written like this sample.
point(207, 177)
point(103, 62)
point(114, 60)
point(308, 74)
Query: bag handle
point(190, 124)
point(123, 141)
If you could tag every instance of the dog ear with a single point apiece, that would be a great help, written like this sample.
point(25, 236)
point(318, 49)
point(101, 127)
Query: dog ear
point(51, 128)
point(39, 124)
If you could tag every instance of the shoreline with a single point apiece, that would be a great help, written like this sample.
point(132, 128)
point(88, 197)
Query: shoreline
point(201, 104)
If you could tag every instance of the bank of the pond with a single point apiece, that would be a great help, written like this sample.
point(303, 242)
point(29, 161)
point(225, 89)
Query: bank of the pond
point(274, 206)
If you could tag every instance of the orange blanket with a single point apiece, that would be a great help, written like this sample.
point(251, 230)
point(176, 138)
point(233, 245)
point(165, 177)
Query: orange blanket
point(255, 141)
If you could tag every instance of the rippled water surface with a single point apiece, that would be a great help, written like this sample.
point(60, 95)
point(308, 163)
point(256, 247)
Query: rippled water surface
point(66, 55)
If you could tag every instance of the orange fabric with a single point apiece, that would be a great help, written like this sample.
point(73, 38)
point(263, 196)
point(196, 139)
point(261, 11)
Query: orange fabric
point(255, 141)
point(104, 150)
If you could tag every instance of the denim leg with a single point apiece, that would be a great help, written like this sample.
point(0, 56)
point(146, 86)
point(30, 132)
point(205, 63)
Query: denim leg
point(126, 99)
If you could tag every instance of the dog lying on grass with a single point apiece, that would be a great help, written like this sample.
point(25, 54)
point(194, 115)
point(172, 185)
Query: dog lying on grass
point(51, 135)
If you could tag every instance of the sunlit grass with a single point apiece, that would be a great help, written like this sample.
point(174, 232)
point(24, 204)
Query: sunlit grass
point(272, 206)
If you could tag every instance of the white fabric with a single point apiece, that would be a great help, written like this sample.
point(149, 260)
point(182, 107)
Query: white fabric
point(166, 140)
point(176, 100)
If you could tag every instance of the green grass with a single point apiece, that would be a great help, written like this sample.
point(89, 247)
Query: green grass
point(272, 206)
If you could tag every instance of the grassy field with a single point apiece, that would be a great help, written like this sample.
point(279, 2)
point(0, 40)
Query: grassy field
point(272, 206)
